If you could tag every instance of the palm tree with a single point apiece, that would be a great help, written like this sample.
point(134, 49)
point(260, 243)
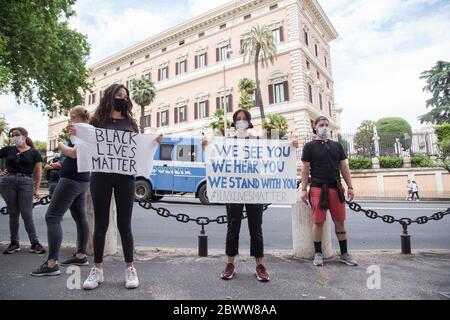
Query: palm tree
point(246, 87)
point(143, 92)
point(218, 124)
point(259, 44)
point(3, 127)
point(275, 125)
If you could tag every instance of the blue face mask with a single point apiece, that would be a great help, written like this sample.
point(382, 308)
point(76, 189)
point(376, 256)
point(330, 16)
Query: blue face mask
point(241, 125)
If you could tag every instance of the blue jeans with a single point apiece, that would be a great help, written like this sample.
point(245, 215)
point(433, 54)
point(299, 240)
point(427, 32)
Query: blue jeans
point(17, 191)
point(68, 194)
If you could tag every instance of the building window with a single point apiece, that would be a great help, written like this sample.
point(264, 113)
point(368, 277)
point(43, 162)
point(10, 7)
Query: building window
point(328, 85)
point(277, 35)
point(163, 49)
point(316, 50)
point(148, 76)
point(320, 101)
point(164, 118)
point(306, 38)
point(163, 73)
point(147, 56)
point(182, 114)
point(307, 64)
point(200, 61)
point(181, 42)
point(248, 16)
point(202, 110)
point(222, 53)
point(220, 102)
point(329, 107)
point(105, 74)
point(223, 26)
point(310, 95)
point(131, 63)
point(147, 121)
point(93, 98)
point(318, 75)
point(201, 34)
point(180, 67)
point(273, 7)
point(278, 92)
point(118, 69)
point(326, 61)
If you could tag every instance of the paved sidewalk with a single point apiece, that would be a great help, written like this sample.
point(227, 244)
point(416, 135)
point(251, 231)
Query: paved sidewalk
point(181, 274)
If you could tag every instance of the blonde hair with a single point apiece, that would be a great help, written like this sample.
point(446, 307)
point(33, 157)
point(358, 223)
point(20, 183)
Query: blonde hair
point(81, 113)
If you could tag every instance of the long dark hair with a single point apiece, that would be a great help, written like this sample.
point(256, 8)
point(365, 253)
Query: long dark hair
point(106, 106)
point(23, 132)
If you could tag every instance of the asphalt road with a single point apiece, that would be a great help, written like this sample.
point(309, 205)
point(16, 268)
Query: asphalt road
point(151, 230)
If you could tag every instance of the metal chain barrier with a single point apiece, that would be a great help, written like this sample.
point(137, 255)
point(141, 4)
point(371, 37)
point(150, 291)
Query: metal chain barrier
point(42, 201)
point(201, 221)
point(404, 222)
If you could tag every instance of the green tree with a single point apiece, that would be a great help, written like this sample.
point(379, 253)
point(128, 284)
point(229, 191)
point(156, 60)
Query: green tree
point(344, 143)
point(389, 130)
point(438, 84)
point(443, 135)
point(363, 140)
point(275, 124)
point(42, 60)
point(260, 46)
point(217, 123)
point(3, 127)
point(246, 88)
point(143, 92)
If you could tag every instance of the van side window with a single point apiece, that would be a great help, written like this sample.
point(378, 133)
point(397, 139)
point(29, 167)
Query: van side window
point(187, 152)
point(165, 152)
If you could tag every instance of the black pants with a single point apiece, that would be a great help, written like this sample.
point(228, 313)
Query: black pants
point(234, 215)
point(102, 186)
point(415, 194)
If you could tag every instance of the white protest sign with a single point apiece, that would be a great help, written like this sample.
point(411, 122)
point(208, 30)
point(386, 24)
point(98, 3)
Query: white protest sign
point(114, 151)
point(251, 171)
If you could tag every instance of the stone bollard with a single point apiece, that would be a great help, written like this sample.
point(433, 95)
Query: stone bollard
point(302, 232)
point(111, 235)
point(375, 163)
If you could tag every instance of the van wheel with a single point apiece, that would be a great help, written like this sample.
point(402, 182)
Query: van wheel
point(202, 195)
point(143, 190)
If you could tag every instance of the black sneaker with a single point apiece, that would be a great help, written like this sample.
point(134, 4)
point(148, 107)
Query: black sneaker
point(12, 248)
point(44, 270)
point(37, 248)
point(75, 261)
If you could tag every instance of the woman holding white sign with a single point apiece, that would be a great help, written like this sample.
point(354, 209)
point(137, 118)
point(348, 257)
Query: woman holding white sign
point(242, 122)
point(114, 113)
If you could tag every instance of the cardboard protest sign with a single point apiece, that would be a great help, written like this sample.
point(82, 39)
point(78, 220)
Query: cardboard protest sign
point(251, 171)
point(114, 151)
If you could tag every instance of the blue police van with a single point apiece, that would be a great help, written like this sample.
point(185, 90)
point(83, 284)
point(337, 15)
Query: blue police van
point(178, 169)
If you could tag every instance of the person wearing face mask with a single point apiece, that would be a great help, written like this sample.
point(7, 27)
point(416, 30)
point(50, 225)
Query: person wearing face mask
point(18, 187)
point(70, 193)
point(114, 112)
point(326, 160)
point(242, 122)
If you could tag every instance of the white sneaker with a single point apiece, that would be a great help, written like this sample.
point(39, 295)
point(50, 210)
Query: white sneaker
point(94, 279)
point(131, 278)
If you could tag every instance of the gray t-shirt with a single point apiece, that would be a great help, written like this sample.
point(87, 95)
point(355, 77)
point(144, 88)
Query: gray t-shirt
point(116, 124)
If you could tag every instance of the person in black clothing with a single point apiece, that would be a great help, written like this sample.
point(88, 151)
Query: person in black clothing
point(18, 187)
point(53, 167)
point(114, 112)
point(242, 122)
point(70, 193)
point(326, 160)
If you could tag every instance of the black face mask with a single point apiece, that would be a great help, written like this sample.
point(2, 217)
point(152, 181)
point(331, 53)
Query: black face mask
point(120, 105)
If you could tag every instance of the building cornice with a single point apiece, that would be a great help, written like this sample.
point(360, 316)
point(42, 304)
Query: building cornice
point(316, 10)
point(177, 32)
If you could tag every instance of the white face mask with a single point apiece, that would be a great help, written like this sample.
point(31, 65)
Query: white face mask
point(18, 140)
point(322, 132)
point(242, 125)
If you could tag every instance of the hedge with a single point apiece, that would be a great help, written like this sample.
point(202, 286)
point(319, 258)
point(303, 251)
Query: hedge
point(360, 163)
point(421, 161)
point(391, 162)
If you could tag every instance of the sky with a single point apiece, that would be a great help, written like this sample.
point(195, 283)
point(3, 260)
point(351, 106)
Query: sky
point(382, 48)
